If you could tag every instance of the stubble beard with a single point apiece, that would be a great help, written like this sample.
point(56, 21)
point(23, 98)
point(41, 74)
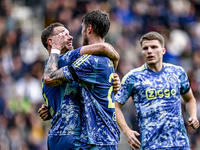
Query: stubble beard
point(85, 41)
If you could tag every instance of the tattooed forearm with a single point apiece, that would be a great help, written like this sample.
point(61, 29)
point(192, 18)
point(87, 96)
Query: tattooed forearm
point(57, 74)
point(52, 75)
point(48, 70)
point(58, 78)
point(52, 64)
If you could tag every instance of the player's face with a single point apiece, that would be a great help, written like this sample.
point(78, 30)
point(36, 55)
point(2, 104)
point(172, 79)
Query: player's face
point(69, 45)
point(84, 35)
point(152, 52)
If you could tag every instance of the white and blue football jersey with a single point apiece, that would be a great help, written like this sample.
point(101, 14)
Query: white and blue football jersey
point(156, 97)
point(64, 102)
point(95, 75)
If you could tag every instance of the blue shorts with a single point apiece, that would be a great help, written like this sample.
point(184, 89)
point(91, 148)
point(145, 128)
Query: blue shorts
point(173, 148)
point(85, 146)
point(68, 142)
point(179, 148)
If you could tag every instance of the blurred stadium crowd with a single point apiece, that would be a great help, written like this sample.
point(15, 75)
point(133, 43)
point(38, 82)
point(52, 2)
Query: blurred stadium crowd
point(22, 56)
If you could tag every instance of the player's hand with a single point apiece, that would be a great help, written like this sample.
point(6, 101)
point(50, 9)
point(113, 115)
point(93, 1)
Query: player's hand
point(44, 113)
point(133, 142)
point(59, 41)
point(116, 83)
point(193, 122)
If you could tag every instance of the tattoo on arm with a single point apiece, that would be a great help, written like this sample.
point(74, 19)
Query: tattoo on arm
point(58, 76)
point(52, 64)
point(55, 75)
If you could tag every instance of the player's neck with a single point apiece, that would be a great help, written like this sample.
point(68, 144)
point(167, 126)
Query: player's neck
point(95, 39)
point(155, 67)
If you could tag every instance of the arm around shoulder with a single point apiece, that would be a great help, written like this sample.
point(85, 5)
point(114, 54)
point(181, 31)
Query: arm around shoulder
point(55, 78)
point(100, 49)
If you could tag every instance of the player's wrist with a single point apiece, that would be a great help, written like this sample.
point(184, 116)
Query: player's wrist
point(55, 51)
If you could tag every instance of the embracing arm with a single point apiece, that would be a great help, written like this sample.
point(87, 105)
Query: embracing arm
point(190, 103)
point(102, 49)
point(52, 75)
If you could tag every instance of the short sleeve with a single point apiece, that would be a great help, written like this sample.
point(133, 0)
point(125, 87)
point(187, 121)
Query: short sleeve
point(185, 85)
point(126, 89)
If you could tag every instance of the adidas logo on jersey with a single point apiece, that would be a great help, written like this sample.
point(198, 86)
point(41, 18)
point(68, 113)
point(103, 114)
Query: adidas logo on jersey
point(146, 82)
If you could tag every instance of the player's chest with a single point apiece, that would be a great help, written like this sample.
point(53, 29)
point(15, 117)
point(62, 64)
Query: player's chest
point(157, 85)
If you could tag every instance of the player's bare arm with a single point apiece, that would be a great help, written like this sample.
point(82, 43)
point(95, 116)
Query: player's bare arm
point(131, 135)
point(52, 75)
point(190, 103)
point(102, 49)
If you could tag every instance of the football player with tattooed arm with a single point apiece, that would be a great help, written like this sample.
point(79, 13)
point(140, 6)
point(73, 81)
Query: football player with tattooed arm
point(95, 74)
point(63, 101)
point(156, 88)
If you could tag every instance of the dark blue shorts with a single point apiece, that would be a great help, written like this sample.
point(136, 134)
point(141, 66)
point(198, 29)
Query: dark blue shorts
point(173, 148)
point(69, 142)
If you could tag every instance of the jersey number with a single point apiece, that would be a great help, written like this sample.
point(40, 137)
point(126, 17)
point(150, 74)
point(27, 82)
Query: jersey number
point(110, 103)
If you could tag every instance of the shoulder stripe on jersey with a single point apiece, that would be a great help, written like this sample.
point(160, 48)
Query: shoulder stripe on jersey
point(81, 60)
point(133, 70)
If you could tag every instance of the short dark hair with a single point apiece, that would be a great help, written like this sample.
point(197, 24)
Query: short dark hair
point(99, 20)
point(48, 31)
point(153, 36)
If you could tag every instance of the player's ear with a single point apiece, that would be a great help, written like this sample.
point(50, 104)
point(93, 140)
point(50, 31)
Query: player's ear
point(164, 51)
point(49, 41)
point(89, 28)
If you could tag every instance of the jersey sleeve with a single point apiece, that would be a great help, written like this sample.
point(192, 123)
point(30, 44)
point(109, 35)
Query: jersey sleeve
point(126, 89)
point(185, 85)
